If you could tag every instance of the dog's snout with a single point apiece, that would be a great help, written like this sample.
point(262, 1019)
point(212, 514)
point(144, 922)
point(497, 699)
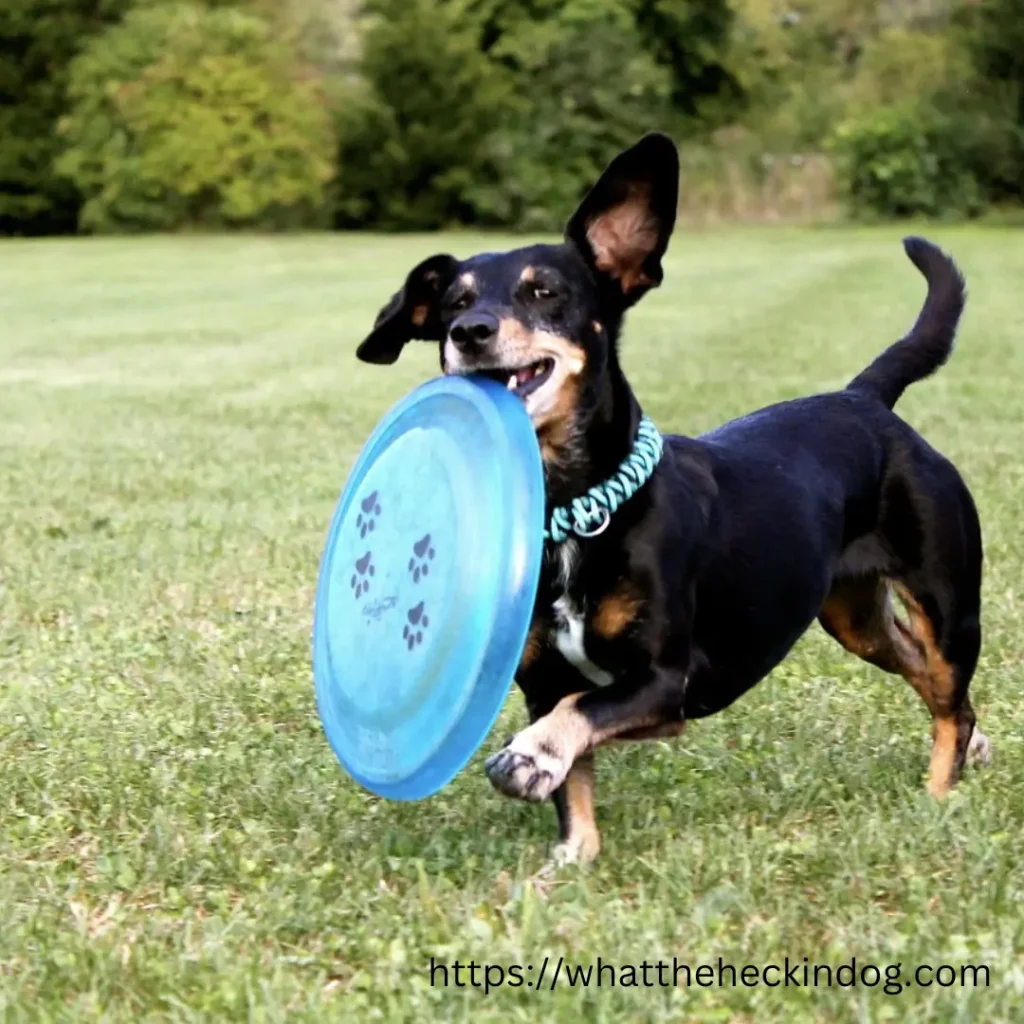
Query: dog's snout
point(473, 331)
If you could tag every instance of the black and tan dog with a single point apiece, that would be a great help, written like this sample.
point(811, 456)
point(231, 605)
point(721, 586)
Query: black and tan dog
point(826, 507)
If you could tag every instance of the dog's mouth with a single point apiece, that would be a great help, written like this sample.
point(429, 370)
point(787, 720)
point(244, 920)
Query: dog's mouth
point(524, 380)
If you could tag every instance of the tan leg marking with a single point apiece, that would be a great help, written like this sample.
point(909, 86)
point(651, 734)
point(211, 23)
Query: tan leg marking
point(943, 769)
point(664, 731)
point(934, 679)
point(860, 615)
point(583, 842)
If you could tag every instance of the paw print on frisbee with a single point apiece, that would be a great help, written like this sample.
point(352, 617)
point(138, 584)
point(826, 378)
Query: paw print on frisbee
point(360, 581)
point(412, 634)
point(366, 520)
point(423, 555)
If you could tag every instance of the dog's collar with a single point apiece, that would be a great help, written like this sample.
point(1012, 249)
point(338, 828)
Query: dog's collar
point(590, 514)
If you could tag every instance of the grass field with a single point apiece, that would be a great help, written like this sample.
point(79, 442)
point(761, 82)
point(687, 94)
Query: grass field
point(176, 840)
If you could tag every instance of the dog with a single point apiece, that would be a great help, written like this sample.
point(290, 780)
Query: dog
point(828, 507)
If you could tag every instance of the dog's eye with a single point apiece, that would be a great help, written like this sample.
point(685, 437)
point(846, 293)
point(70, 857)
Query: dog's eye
point(461, 302)
point(538, 291)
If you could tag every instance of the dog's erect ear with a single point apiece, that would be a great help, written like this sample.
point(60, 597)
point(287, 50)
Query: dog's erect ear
point(623, 226)
point(413, 312)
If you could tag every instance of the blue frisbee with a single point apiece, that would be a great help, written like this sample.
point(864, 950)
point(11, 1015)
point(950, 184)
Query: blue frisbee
point(427, 585)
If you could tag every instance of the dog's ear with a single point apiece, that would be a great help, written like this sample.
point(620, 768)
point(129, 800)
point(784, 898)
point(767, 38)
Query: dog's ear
point(413, 312)
point(623, 225)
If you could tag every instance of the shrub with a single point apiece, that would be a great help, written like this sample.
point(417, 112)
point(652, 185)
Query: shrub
point(906, 160)
point(186, 117)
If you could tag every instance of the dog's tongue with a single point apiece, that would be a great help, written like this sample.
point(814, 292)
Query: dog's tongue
point(519, 378)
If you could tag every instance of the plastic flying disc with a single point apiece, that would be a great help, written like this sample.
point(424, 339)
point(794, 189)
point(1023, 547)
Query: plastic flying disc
point(427, 585)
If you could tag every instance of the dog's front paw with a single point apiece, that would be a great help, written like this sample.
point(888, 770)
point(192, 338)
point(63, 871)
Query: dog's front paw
point(526, 769)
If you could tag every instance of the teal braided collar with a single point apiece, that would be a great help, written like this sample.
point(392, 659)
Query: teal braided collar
point(589, 515)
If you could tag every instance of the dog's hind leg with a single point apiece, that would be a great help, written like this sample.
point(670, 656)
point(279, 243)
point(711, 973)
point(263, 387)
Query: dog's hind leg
point(938, 662)
point(941, 674)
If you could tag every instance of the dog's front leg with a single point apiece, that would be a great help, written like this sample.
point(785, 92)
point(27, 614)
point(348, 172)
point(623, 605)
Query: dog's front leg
point(538, 760)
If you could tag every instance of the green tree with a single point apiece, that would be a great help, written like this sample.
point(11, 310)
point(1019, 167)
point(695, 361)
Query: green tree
point(995, 40)
point(416, 132)
point(38, 39)
point(687, 38)
point(183, 116)
point(493, 111)
point(589, 87)
point(691, 39)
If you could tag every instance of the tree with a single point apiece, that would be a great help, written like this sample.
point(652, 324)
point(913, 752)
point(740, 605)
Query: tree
point(185, 116)
point(589, 88)
point(493, 111)
point(687, 38)
point(995, 40)
point(691, 39)
point(38, 40)
point(416, 132)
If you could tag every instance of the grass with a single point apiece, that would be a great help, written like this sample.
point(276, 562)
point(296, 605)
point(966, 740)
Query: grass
point(177, 842)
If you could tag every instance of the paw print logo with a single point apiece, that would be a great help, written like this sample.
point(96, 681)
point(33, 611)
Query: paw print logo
point(365, 521)
point(412, 634)
point(360, 582)
point(423, 554)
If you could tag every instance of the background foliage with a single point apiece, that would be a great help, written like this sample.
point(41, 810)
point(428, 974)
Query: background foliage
point(419, 114)
point(183, 116)
point(38, 39)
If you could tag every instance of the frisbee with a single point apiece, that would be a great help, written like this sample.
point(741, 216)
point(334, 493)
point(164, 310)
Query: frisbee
point(427, 585)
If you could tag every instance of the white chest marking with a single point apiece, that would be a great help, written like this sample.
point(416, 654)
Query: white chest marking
point(569, 641)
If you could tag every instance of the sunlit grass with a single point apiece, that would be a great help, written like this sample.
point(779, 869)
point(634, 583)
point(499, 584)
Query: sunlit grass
point(177, 842)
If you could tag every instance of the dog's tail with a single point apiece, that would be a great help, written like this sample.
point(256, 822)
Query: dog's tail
point(930, 341)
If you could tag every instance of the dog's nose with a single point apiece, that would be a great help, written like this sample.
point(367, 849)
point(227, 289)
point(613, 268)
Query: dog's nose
point(473, 331)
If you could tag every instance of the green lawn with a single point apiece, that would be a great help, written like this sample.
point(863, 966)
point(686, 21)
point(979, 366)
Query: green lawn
point(177, 418)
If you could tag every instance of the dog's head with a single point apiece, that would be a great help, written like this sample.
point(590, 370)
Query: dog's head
point(543, 320)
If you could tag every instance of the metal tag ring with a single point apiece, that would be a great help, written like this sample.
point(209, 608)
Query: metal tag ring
point(599, 530)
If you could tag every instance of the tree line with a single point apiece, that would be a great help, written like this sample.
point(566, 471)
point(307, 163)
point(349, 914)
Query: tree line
point(143, 115)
